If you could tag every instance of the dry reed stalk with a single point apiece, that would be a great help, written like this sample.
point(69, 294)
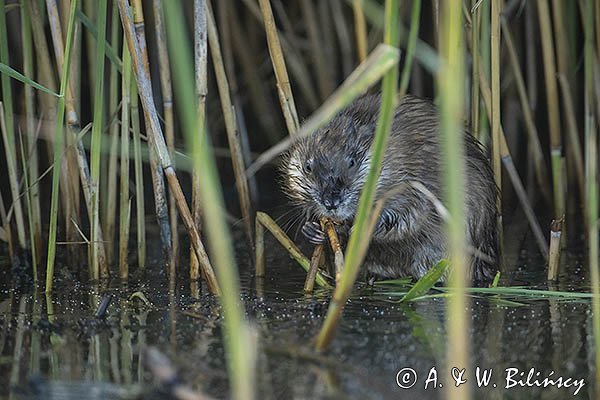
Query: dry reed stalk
point(319, 61)
point(5, 230)
point(167, 100)
point(553, 107)
point(554, 255)
point(9, 134)
point(158, 183)
point(124, 201)
point(344, 37)
point(338, 255)
point(31, 135)
point(48, 110)
point(382, 59)
point(156, 140)
point(259, 248)
point(315, 260)
point(73, 128)
point(532, 132)
point(507, 160)
point(297, 64)
point(573, 134)
point(259, 98)
point(494, 112)
point(139, 175)
point(239, 169)
point(475, 69)
point(201, 78)
point(284, 89)
point(591, 165)
point(360, 26)
point(267, 223)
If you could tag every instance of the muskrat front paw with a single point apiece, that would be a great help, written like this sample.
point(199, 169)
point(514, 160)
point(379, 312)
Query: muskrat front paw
point(312, 231)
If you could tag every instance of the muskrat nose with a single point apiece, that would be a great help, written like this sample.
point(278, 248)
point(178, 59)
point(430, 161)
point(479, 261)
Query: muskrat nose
point(331, 201)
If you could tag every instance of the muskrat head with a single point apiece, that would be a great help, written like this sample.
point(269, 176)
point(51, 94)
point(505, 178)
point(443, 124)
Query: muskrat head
point(325, 172)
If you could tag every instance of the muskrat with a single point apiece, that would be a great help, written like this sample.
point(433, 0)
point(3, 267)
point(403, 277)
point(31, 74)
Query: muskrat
point(323, 174)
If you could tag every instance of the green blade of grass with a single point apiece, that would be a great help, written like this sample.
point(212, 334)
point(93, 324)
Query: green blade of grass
point(427, 281)
point(240, 359)
point(5, 69)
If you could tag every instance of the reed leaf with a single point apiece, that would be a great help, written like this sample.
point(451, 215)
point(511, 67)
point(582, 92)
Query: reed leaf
point(367, 197)
point(58, 145)
point(236, 334)
point(5, 69)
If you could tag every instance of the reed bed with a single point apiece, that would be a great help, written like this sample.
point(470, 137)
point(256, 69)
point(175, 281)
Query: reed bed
point(279, 71)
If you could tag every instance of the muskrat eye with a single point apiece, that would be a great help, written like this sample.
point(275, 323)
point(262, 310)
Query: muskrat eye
point(352, 162)
point(308, 166)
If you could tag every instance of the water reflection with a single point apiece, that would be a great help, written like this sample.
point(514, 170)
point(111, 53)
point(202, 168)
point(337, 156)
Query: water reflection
point(55, 346)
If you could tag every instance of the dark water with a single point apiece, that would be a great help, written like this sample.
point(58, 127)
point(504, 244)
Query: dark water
point(55, 348)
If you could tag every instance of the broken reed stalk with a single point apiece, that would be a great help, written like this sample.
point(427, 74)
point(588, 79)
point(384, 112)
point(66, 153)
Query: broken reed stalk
point(96, 141)
point(167, 103)
point(156, 140)
point(554, 255)
point(382, 131)
point(450, 82)
point(553, 108)
point(591, 168)
point(315, 261)
point(124, 201)
point(201, 79)
point(360, 27)
point(158, 182)
point(58, 146)
point(266, 222)
point(9, 138)
point(236, 333)
point(235, 147)
point(334, 242)
point(284, 88)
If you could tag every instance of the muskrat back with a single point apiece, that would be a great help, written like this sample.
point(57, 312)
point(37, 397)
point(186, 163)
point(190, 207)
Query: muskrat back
point(324, 173)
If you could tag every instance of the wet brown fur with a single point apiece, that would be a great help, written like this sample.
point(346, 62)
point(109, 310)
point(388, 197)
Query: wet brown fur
point(331, 166)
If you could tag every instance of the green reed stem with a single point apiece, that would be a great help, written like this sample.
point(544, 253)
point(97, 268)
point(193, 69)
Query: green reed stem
point(110, 194)
point(97, 138)
point(58, 149)
point(11, 149)
point(411, 46)
point(360, 27)
point(591, 170)
point(367, 197)
point(450, 82)
point(553, 108)
point(124, 202)
point(240, 356)
point(29, 205)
